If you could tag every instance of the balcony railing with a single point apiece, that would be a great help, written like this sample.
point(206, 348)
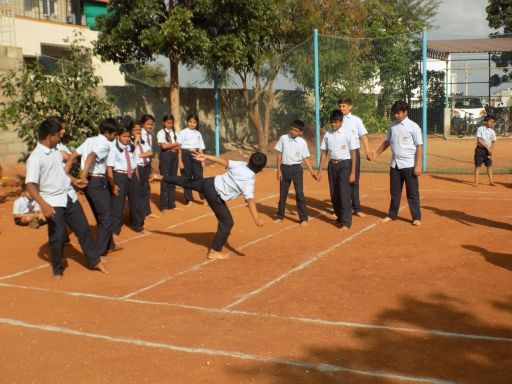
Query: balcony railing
point(62, 11)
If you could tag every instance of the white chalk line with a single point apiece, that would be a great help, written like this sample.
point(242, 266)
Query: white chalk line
point(196, 267)
point(323, 368)
point(235, 312)
point(24, 272)
point(303, 265)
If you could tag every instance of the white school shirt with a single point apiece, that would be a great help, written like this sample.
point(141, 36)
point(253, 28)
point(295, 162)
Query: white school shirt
point(403, 138)
point(355, 125)
point(24, 205)
point(100, 145)
point(293, 150)
point(191, 139)
point(140, 148)
point(238, 180)
point(160, 136)
point(338, 144)
point(117, 159)
point(44, 168)
point(63, 148)
point(486, 134)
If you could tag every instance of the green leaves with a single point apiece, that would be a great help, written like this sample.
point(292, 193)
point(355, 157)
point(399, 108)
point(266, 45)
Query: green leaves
point(33, 94)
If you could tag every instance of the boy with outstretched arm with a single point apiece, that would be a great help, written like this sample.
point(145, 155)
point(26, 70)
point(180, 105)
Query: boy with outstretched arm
point(292, 150)
point(406, 142)
point(238, 180)
point(338, 146)
point(51, 188)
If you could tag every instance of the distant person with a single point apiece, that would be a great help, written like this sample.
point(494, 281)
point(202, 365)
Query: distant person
point(356, 126)
point(168, 161)
point(26, 211)
point(292, 150)
point(339, 148)
point(406, 142)
point(485, 142)
point(238, 180)
point(144, 150)
point(51, 188)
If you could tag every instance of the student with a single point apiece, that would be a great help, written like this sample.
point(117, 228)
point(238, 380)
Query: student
point(485, 142)
point(123, 179)
point(51, 188)
point(404, 138)
point(238, 180)
point(26, 212)
point(168, 161)
point(63, 148)
point(292, 150)
point(94, 152)
point(191, 140)
point(145, 153)
point(338, 146)
point(356, 126)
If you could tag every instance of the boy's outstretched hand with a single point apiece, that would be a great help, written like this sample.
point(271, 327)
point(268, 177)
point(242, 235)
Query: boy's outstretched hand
point(199, 156)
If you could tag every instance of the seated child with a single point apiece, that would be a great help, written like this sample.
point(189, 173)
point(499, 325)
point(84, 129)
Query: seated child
point(26, 212)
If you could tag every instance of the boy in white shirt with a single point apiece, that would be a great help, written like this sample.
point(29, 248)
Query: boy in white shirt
point(238, 180)
point(485, 142)
point(292, 150)
point(26, 212)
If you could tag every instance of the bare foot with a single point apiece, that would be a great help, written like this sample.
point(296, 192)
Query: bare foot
point(278, 220)
point(416, 222)
point(101, 267)
point(343, 229)
point(205, 202)
point(188, 204)
point(331, 215)
point(57, 277)
point(116, 248)
point(492, 184)
point(106, 259)
point(152, 216)
point(304, 223)
point(387, 219)
point(215, 255)
point(360, 214)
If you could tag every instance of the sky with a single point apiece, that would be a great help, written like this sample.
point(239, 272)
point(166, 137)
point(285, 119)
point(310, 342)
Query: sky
point(459, 19)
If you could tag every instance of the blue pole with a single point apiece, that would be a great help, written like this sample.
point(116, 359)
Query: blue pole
point(424, 96)
point(317, 97)
point(216, 113)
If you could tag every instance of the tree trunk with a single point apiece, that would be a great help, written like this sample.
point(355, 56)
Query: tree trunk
point(174, 93)
point(269, 101)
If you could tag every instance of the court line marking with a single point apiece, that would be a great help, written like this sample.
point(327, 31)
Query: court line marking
point(200, 265)
point(322, 367)
point(134, 238)
point(235, 312)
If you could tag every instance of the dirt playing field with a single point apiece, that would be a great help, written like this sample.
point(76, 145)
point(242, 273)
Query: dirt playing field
point(381, 303)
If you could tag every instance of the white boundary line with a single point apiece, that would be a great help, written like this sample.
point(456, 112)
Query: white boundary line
point(24, 272)
point(323, 367)
point(234, 312)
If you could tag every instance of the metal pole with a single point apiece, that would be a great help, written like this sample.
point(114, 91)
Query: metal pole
point(216, 113)
point(489, 86)
point(424, 96)
point(317, 97)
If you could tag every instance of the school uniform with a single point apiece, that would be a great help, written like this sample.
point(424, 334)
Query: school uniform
point(191, 140)
point(97, 191)
point(338, 144)
point(168, 166)
point(22, 206)
point(123, 160)
point(63, 148)
point(238, 180)
point(488, 136)
point(293, 151)
point(357, 128)
point(144, 165)
point(403, 138)
point(44, 168)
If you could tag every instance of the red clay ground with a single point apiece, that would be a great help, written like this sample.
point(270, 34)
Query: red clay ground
point(382, 303)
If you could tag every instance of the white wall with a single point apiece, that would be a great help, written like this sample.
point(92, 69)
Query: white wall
point(30, 33)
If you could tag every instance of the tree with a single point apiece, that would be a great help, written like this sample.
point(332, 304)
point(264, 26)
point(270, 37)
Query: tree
point(135, 31)
point(33, 94)
point(499, 17)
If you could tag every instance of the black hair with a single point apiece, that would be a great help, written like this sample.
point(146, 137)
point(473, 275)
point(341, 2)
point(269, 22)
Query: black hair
point(145, 118)
point(336, 115)
point(257, 162)
point(47, 127)
point(195, 117)
point(123, 129)
point(168, 117)
point(299, 124)
point(108, 126)
point(345, 100)
point(58, 119)
point(400, 106)
point(489, 117)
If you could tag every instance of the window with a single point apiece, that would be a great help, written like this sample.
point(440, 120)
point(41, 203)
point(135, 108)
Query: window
point(48, 8)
